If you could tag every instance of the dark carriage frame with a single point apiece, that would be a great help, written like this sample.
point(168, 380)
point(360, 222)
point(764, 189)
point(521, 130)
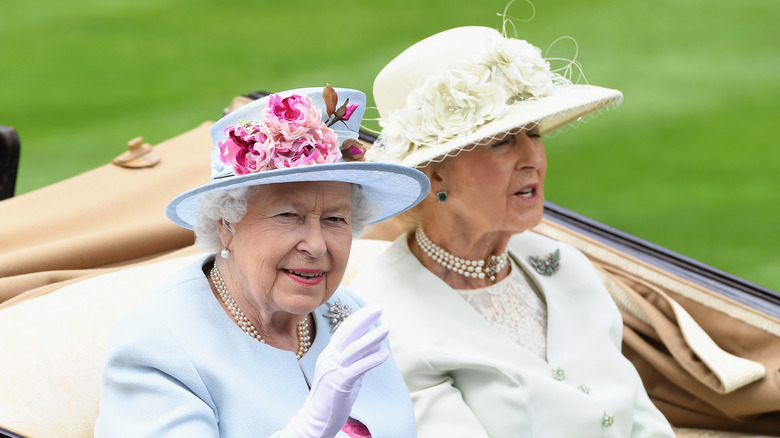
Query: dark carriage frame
point(9, 161)
point(4, 433)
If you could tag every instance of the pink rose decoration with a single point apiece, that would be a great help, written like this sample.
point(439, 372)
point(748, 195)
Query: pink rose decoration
point(343, 113)
point(246, 147)
point(292, 134)
point(352, 150)
point(288, 108)
point(294, 111)
point(350, 109)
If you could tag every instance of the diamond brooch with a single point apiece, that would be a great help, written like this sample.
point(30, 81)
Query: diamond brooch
point(547, 265)
point(337, 313)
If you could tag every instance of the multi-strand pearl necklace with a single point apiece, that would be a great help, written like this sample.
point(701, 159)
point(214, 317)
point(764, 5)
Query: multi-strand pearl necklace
point(304, 337)
point(468, 268)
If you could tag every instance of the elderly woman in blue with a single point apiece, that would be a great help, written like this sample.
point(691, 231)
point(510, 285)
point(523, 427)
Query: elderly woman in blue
point(499, 332)
point(257, 339)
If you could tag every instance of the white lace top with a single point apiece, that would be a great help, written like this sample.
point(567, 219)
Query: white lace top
point(512, 307)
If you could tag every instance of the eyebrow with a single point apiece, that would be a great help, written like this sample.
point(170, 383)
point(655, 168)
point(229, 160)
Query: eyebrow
point(338, 206)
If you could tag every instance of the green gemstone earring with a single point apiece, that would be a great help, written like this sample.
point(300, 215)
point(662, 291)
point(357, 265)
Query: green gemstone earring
point(441, 196)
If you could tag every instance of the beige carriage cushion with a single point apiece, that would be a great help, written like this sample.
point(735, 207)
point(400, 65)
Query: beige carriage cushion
point(51, 350)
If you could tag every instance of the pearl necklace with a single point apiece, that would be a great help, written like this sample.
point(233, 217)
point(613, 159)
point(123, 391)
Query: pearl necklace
point(468, 268)
point(304, 337)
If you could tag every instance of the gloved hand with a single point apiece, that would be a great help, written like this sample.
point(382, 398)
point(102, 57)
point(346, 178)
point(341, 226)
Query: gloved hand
point(352, 351)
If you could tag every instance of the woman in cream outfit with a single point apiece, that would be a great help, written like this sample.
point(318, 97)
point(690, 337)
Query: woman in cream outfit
point(498, 331)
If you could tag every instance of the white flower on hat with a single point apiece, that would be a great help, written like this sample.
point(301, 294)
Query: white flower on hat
point(450, 105)
point(460, 100)
point(442, 109)
point(519, 67)
point(394, 144)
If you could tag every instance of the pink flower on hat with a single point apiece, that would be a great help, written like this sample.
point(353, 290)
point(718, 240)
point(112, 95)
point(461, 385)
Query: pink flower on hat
point(343, 113)
point(292, 108)
point(292, 115)
point(291, 134)
point(241, 147)
point(349, 110)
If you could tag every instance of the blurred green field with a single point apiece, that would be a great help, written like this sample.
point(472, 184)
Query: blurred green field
point(690, 160)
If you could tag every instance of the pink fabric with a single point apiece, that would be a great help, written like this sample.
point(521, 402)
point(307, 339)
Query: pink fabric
point(356, 429)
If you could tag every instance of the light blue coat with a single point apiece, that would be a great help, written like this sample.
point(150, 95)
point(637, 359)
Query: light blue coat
point(469, 380)
point(178, 366)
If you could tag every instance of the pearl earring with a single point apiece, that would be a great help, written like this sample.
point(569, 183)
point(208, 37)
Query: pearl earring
point(441, 196)
point(225, 253)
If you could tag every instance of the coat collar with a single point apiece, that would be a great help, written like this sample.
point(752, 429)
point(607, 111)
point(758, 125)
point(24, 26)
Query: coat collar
point(469, 326)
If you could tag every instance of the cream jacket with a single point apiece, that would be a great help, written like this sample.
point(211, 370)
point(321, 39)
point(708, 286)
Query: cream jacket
point(468, 380)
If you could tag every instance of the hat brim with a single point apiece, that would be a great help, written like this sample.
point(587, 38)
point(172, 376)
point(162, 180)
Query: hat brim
point(565, 104)
point(395, 188)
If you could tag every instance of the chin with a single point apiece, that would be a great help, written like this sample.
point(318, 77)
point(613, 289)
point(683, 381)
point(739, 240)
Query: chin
point(303, 306)
point(529, 217)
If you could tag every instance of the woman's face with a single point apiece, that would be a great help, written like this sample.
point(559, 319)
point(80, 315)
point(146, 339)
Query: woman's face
point(499, 186)
point(290, 250)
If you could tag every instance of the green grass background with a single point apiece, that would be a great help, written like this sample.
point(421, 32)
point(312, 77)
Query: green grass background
point(689, 161)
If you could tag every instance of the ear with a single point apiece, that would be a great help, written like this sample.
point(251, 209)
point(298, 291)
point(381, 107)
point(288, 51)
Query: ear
point(438, 179)
point(225, 231)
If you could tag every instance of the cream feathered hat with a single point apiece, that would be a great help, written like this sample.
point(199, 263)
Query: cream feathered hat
point(467, 85)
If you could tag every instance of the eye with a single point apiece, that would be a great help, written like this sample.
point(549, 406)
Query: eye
point(500, 143)
point(336, 222)
point(287, 216)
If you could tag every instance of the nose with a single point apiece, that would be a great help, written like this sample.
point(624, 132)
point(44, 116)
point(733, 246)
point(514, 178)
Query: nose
point(312, 239)
point(530, 151)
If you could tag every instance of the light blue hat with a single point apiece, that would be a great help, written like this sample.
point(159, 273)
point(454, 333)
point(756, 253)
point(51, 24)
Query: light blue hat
point(296, 136)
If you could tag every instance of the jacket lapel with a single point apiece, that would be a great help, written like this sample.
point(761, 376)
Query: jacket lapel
point(468, 333)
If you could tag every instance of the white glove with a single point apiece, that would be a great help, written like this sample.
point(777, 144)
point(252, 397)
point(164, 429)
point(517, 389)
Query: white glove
point(352, 351)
